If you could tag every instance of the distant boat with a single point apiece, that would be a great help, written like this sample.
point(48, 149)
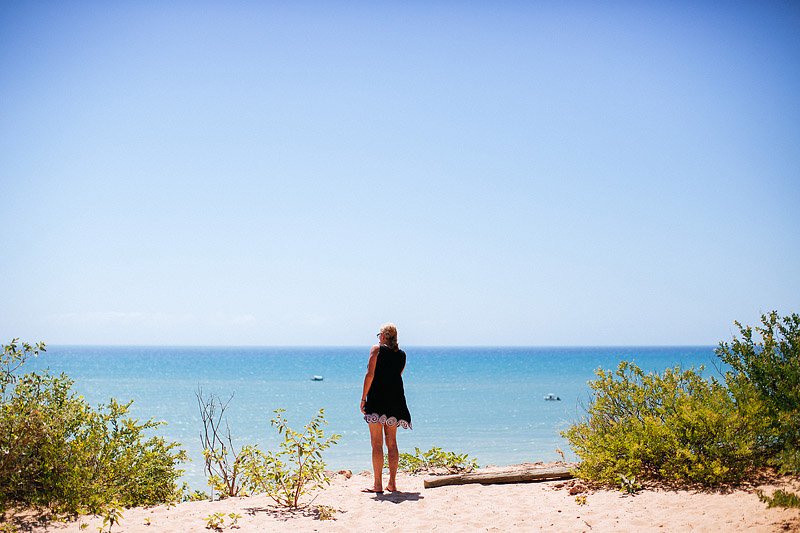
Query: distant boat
point(552, 398)
point(316, 378)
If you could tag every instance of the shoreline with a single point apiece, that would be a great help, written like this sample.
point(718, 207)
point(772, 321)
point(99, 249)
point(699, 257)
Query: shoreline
point(547, 506)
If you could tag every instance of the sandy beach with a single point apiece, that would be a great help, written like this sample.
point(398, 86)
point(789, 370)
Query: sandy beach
point(543, 506)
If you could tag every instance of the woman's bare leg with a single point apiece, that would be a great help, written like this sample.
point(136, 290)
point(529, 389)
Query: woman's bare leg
point(390, 432)
point(376, 439)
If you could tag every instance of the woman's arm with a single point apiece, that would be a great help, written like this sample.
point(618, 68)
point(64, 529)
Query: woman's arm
point(373, 359)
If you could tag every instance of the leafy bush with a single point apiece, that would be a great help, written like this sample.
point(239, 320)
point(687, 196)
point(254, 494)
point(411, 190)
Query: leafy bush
point(436, 458)
point(674, 426)
point(679, 427)
point(766, 371)
point(286, 475)
point(58, 452)
point(780, 498)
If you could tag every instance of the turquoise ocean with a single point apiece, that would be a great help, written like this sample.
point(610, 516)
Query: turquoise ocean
point(485, 401)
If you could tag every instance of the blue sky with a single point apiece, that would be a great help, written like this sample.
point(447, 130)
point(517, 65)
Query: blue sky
point(481, 173)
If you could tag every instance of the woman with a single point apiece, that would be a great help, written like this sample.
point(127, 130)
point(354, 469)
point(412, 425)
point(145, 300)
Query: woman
point(383, 403)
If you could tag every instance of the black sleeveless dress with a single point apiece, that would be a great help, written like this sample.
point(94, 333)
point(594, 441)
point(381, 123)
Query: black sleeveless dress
point(386, 399)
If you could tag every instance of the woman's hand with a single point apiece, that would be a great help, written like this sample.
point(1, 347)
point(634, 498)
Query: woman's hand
point(363, 403)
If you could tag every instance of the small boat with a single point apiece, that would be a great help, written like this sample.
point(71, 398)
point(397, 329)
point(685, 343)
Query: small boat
point(552, 398)
point(316, 378)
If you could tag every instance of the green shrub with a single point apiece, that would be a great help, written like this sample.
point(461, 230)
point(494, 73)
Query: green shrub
point(111, 515)
point(675, 427)
point(326, 512)
point(765, 369)
point(780, 498)
point(215, 521)
point(290, 473)
point(58, 452)
point(435, 458)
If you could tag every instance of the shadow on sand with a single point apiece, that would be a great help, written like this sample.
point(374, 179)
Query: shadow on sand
point(398, 497)
point(285, 514)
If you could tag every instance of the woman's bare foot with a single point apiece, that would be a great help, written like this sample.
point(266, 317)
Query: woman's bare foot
point(391, 488)
point(372, 491)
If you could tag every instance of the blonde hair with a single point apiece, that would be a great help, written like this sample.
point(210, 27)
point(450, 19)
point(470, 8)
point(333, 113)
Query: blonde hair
point(389, 331)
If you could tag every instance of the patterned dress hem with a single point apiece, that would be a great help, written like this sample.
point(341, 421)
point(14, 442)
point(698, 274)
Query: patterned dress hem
point(375, 418)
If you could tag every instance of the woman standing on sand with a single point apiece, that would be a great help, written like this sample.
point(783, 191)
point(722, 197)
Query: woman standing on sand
point(383, 403)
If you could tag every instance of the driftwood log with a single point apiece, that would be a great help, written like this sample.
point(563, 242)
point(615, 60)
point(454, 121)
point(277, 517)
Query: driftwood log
point(511, 474)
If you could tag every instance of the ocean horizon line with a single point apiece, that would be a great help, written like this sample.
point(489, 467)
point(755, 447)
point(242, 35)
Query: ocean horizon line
point(364, 346)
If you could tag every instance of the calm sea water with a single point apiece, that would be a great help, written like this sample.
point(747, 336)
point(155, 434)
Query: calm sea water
point(488, 402)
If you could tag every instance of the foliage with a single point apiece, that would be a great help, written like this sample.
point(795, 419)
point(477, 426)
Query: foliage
point(14, 356)
point(326, 512)
point(679, 427)
point(675, 427)
point(780, 498)
point(112, 515)
point(222, 461)
point(193, 495)
point(628, 484)
point(436, 458)
point(215, 521)
point(765, 365)
point(288, 474)
point(58, 452)
point(580, 500)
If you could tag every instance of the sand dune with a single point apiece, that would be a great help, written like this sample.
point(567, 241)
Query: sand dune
point(548, 506)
